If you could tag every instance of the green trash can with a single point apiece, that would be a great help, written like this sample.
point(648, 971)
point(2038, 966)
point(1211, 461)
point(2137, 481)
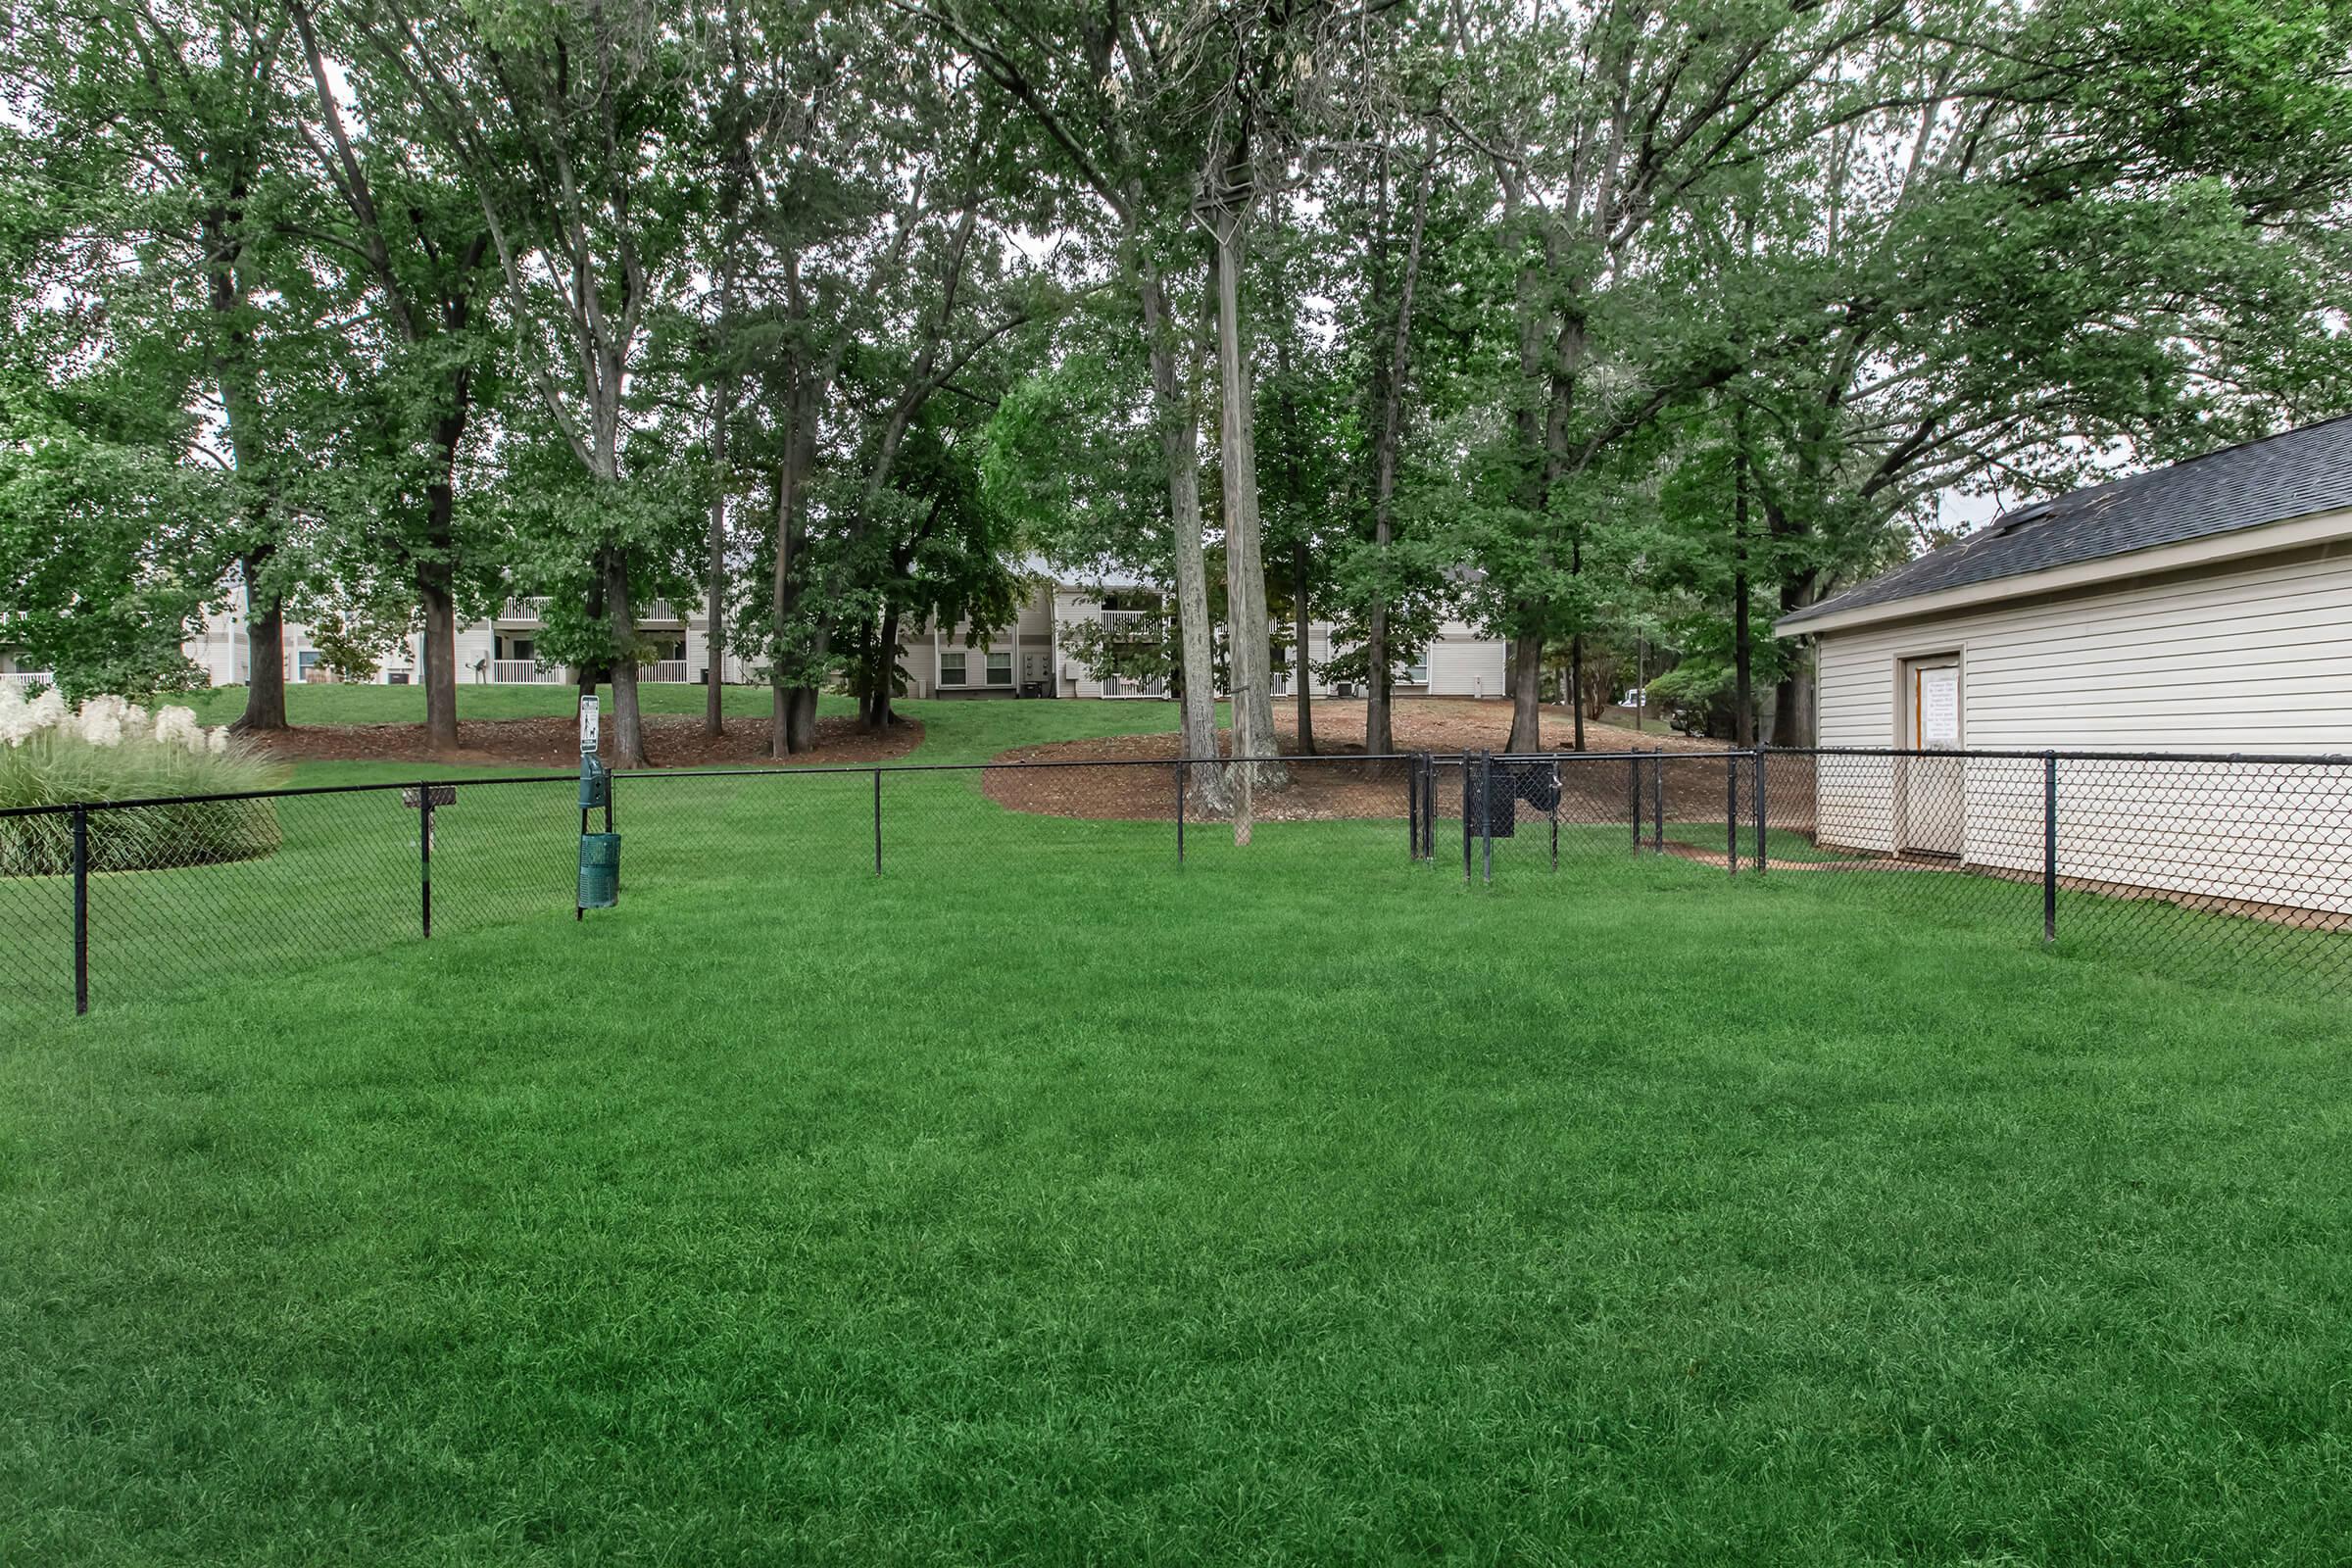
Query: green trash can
point(599, 870)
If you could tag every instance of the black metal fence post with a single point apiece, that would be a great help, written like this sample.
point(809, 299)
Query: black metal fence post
point(81, 909)
point(1657, 803)
point(1180, 814)
point(1555, 817)
point(1730, 812)
point(1633, 796)
point(1761, 822)
point(1469, 868)
point(1412, 809)
point(2049, 846)
point(425, 856)
point(1486, 814)
point(877, 821)
point(1428, 807)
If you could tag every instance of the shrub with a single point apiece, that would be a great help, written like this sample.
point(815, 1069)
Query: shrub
point(111, 749)
point(1695, 697)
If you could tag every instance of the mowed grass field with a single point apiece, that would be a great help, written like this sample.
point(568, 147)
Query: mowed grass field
point(1036, 1202)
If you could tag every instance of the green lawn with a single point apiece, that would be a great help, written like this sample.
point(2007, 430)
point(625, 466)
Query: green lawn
point(327, 703)
point(956, 731)
point(1037, 1202)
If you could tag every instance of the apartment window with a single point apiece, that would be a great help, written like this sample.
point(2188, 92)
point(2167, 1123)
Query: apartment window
point(1416, 674)
point(999, 670)
point(950, 668)
point(306, 661)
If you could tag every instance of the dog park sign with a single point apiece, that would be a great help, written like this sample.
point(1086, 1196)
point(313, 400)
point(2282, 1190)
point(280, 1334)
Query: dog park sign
point(600, 852)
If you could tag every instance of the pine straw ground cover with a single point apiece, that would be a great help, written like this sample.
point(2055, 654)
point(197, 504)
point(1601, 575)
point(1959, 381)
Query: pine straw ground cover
point(1048, 1204)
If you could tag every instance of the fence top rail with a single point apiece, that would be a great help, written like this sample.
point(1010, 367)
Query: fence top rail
point(1437, 758)
point(651, 774)
point(2203, 759)
point(132, 803)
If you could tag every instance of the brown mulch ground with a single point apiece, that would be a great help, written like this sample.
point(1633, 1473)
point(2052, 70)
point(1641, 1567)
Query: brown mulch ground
point(671, 740)
point(1337, 783)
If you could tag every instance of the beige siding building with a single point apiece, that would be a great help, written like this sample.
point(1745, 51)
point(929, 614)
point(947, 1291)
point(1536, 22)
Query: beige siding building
point(1039, 657)
point(1035, 657)
point(2205, 608)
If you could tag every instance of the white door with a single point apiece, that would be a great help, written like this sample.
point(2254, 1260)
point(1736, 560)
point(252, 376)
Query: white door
point(1935, 788)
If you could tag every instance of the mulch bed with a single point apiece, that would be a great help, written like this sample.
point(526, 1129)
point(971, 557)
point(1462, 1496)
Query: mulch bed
point(671, 740)
point(1337, 784)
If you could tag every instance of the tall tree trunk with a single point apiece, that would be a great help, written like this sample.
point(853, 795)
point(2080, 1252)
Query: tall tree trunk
point(1299, 666)
point(791, 704)
point(1526, 695)
point(862, 661)
point(714, 609)
point(799, 719)
point(435, 592)
point(437, 568)
point(1576, 687)
point(886, 666)
point(1178, 448)
point(1528, 625)
point(1389, 375)
point(1743, 695)
point(1792, 698)
point(628, 722)
point(232, 367)
point(1380, 728)
point(1793, 704)
point(265, 653)
point(1248, 634)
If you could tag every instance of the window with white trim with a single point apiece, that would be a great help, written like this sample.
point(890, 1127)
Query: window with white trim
point(999, 668)
point(950, 666)
point(1416, 674)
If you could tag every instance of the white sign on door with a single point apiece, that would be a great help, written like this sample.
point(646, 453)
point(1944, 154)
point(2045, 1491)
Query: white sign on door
point(587, 726)
point(1939, 707)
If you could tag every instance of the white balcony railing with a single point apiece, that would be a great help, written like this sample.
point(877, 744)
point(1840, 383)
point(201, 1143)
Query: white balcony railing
point(529, 672)
point(1126, 686)
point(1127, 622)
point(25, 680)
point(526, 612)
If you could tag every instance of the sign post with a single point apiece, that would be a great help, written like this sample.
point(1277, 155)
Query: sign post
point(600, 852)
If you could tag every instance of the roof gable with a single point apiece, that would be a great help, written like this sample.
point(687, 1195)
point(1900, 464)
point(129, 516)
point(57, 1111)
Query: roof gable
point(2280, 477)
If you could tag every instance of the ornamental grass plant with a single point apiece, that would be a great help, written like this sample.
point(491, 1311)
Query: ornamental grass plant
point(112, 750)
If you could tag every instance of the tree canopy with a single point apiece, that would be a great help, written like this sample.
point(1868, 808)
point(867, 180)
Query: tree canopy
point(1596, 325)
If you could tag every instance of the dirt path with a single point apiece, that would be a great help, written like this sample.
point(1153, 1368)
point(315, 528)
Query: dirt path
point(1337, 783)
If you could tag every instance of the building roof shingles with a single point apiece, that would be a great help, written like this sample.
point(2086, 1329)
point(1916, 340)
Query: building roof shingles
point(2280, 477)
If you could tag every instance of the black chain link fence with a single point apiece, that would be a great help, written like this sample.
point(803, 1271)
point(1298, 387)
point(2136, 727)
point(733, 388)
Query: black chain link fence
point(2208, 867)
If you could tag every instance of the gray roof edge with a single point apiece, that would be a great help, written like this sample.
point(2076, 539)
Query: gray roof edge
point(2276, 479)
point(2026, 581)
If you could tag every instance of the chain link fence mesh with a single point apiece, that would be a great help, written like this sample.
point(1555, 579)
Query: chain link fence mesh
point(2211, 867)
